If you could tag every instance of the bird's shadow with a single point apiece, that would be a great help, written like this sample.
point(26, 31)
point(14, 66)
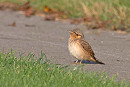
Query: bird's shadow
point(86, 62)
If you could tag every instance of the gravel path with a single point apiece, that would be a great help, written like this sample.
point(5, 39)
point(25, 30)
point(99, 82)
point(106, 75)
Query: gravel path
point(34, 34)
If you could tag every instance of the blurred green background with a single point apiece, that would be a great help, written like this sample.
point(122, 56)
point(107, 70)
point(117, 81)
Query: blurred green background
point(114, 13)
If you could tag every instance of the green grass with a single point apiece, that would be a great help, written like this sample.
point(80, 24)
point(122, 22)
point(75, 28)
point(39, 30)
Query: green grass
point(25, 71)
point(115, 12)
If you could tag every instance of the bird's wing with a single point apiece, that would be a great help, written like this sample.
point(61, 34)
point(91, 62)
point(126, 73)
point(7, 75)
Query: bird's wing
point(87, 47)
point(89, 50)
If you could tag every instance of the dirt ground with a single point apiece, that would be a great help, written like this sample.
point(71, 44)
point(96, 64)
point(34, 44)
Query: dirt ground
point(34, 34)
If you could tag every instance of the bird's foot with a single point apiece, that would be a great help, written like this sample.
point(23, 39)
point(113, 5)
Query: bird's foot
point(77, 62)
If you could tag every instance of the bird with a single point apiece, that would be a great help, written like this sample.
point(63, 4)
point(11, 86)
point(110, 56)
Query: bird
point(80, 48)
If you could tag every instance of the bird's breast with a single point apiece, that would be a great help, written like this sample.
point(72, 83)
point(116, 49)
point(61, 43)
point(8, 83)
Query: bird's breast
point(75, 49)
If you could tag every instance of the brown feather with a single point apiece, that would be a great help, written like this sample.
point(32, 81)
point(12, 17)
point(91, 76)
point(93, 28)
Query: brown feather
point(79, 48)
point(87, 47)
point(89, 50)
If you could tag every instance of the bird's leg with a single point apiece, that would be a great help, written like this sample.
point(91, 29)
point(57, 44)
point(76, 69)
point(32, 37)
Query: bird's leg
point(76, 61)
point(81, 61)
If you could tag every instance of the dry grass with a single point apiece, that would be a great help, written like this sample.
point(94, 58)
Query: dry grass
point(113, 14)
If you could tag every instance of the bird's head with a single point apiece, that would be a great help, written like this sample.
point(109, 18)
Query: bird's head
point(76, 34)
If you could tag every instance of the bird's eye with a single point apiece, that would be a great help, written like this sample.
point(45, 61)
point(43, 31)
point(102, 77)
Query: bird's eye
point(76, 34)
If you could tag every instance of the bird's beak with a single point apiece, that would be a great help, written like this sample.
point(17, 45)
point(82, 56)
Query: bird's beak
point(70, 31)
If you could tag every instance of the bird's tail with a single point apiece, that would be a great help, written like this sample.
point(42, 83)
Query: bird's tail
point(97, 61)
point(100, 62)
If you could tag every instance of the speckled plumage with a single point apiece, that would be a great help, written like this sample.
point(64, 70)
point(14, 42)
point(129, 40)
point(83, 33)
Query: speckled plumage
point(79, 48)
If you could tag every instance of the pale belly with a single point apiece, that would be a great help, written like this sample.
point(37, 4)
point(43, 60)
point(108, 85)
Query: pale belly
point(76, 51)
